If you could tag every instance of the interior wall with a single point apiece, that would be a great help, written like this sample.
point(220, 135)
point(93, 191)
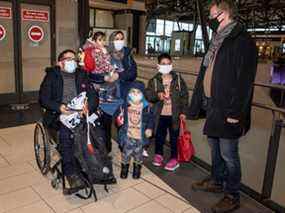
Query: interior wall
point(125, 22)
point(66, 25)
point(104, 19)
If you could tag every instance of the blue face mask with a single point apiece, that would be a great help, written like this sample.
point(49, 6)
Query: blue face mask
point(70, 66)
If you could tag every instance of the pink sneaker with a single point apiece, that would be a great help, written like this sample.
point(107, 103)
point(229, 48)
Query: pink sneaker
point(157, 160)
point(172, 165)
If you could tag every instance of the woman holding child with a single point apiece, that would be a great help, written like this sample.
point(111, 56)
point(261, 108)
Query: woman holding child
point(111, 71)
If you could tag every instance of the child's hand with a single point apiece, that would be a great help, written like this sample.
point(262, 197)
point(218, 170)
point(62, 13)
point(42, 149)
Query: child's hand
point(148, 133)
point(107, 78)
point(115, 76)
point(85, 109)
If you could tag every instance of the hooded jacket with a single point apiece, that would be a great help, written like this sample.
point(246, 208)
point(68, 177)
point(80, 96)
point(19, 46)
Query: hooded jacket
point(147, 117)
point(179, 97)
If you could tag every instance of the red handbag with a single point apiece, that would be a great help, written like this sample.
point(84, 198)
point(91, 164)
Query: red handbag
point(185, 147)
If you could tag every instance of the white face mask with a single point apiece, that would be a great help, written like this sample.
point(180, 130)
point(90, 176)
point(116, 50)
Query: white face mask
point(165, 69)
point(136, 98)
point(70, 66)
point(119, 44)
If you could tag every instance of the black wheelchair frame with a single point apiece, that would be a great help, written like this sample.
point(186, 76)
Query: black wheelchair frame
point(43, 154)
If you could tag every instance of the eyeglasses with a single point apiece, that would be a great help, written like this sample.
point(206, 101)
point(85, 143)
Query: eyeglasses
point(68, 59)
point(215, 15)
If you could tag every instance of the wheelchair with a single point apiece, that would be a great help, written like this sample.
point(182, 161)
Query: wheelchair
point(47, 154)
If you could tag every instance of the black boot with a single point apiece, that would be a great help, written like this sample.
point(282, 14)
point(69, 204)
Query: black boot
point(137, 171)
point(75, 183)
point(124, 171)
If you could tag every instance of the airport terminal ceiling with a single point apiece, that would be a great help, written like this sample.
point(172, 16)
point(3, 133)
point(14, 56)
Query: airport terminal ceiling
point(255, 13)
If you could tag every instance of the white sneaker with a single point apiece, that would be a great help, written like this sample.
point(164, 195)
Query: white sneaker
point(145, 153)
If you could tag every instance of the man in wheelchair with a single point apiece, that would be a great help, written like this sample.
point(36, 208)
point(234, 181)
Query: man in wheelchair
point(61, 84)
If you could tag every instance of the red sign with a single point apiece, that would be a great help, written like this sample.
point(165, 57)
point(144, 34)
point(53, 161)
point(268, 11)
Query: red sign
point(2, 32)
point(5, 12)
point(36, 33)
point(35, 15)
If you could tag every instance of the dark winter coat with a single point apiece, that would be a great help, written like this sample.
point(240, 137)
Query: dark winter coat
point(179, 97)
point(51, 93)
point(231, 89)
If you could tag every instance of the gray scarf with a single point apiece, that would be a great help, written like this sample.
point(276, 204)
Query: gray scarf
point(217, 41)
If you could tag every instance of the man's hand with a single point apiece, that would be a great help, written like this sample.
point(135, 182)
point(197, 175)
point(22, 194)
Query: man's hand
point(232, 121)
point(160, 96)
point(64, 109)
point(182, 117)
point(148, 133)
point(85, 108)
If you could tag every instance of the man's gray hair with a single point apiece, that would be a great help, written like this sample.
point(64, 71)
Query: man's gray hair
point(226, 5)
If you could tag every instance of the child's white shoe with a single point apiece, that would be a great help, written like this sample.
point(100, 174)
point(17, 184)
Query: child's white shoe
point(145, 153)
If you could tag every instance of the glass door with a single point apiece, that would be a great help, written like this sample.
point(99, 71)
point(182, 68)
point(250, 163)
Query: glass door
point(36, 45)
point(27, 47)
point(7, 63)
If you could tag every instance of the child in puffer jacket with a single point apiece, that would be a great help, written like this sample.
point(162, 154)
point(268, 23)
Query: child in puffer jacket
point(136, 129)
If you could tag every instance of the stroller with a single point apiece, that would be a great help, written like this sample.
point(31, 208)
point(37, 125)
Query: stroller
point(92, 167)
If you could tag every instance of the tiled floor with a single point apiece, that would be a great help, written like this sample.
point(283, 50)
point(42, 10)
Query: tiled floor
point(24, 190)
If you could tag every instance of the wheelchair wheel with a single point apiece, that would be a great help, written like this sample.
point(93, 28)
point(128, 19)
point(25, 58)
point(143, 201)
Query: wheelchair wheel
point(55, 183)
point(42, 148)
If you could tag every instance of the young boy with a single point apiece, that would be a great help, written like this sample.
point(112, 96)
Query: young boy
point(168, 93)
point(136, 129)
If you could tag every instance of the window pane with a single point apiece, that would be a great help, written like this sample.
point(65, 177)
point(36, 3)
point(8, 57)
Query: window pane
point(199, 32)
point(92, 17)
point(151, 27)
point(159, 27)
point(210, 32)
point(168, 28)
point(185, 27)
point(199, 47)
point(175, 28)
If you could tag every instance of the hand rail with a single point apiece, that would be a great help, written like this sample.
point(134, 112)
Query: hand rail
point(258, 105)
point(191, 73)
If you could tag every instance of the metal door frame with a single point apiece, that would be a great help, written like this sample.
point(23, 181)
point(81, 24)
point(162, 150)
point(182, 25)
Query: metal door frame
point(20, 96)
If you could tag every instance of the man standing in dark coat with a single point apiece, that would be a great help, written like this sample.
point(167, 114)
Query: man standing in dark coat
point(224, 88)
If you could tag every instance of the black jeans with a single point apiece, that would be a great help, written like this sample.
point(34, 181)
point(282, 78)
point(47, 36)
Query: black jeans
point(165, 124)
point(107, 124)
point(226, 167)
point(66, 149)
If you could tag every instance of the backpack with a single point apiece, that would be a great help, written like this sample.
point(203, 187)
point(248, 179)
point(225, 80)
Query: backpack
point(97, 165)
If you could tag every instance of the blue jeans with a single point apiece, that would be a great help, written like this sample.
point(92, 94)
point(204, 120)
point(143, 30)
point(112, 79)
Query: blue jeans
point(226, 167)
